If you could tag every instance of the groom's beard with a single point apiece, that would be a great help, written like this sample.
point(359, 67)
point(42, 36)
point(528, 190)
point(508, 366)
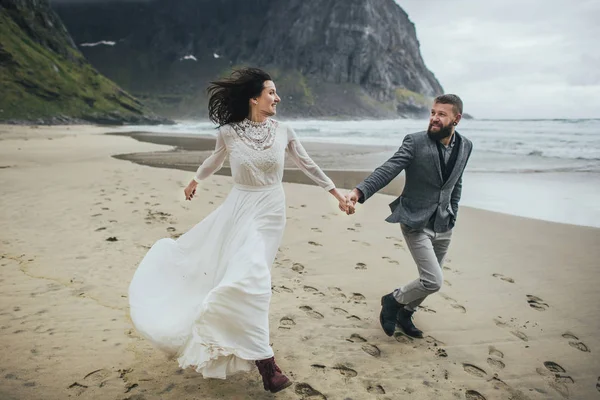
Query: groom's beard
point(444, 132)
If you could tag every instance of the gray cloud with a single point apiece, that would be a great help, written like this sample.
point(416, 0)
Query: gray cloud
point(513, 59)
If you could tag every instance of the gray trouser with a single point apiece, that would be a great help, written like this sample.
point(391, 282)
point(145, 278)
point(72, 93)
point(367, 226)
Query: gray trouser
point(428, 249)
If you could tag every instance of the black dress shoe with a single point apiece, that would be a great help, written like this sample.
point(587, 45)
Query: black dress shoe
point(404, 319)
point(387, 317)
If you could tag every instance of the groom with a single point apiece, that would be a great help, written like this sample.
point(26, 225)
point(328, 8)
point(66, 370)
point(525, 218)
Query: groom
point(434, 162)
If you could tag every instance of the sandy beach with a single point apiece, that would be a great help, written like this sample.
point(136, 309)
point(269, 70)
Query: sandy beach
point(518, 317)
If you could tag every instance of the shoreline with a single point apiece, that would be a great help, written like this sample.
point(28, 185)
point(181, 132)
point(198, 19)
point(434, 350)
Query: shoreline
point(348, 164)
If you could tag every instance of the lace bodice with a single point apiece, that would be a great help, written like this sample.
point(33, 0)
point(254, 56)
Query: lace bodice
point(254, 166)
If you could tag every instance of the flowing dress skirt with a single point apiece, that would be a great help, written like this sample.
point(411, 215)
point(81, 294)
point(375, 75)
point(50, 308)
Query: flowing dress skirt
point(205, 296)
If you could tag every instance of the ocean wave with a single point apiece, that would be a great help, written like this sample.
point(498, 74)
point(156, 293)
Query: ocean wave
point(566, 139)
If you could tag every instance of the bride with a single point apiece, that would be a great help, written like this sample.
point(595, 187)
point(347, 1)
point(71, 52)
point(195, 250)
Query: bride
point(205, 296)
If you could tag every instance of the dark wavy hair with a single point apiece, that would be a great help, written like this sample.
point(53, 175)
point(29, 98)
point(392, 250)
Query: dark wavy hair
point(228, 97)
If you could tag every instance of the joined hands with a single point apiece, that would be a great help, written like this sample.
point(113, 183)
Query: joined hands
point(351, 200)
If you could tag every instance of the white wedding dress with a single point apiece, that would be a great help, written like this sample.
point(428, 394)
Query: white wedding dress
point(205, 296)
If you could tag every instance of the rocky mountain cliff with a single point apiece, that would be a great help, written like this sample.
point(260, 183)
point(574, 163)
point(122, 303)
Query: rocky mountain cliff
point(44, 78)
point(339, 58)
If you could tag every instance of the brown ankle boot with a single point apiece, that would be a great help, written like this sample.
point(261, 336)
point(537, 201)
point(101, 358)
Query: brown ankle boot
point(273, 380)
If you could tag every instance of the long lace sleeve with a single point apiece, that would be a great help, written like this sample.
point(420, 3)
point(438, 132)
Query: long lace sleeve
point(213, 163)
point(303, 161)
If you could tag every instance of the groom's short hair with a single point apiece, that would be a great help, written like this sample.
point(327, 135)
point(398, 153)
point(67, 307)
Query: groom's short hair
point(453, 99)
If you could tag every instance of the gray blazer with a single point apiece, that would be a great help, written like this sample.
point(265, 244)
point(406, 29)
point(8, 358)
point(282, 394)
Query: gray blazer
point(424, 192)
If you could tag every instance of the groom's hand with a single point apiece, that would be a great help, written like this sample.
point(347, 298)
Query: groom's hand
point(351, 200)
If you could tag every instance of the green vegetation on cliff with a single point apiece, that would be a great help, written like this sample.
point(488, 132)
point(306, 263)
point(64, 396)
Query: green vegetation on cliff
point(44, 77)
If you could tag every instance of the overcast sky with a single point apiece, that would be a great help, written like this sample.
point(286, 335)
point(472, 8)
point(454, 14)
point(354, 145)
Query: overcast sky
point(514, 59)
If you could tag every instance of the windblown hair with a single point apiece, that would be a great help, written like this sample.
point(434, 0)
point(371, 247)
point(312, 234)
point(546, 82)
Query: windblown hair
point(453, 99)
point(228, 97)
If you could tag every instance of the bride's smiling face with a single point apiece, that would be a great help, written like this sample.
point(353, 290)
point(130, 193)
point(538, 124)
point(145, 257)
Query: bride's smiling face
point(266, 103)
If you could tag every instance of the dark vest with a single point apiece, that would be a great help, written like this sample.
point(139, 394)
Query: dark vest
point(447, 168)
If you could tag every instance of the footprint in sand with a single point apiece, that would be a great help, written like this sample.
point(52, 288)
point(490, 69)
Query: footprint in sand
point(504, 278)
point(360, 266)
point(474, 370)
point(343, 370)
point(459, 308)
point(520, 335)
point(307, 392)
point(356, 338)
point(536, 303)
point(94, 378)
point(453, 303)
point(446, 297)
point(279, 289)
point(474, 395)
point(313, 290)
point(553, 372)
point(575, 343)
point(353, 318)
point(371, 350)
point(340, 311)
point(553, 367)
point(494, 352)
point(431, 340)
point(314, 243)
point(401, 337)
point(358, 298)
point(499, 323)
point(97, 377)
point(312, 313)
point(297, 267)
point(427, 309)
point(516, 333)
point(336, 291)
point(496, 363)
point(361, 242)
point(376, 389)
point(286, 323)
point(316, 230)
point(388, 259)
